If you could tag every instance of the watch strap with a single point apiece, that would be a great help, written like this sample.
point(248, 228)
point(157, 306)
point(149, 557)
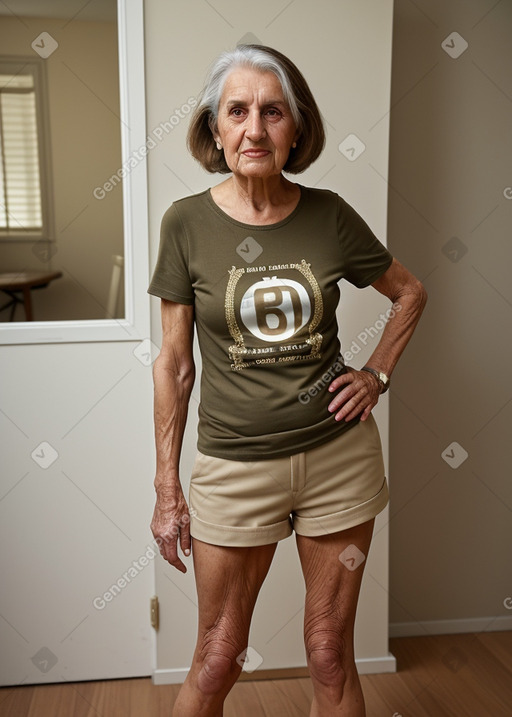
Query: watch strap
point(380, 376)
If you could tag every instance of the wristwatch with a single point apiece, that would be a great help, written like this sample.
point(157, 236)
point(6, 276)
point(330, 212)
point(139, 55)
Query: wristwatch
point(384, 380)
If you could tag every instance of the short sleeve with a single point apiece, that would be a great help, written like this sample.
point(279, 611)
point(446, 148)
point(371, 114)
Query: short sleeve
point(364, 257)
point(171, 277)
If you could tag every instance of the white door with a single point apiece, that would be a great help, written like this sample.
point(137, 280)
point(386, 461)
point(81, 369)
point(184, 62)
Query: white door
point(76, 446)
point(75, 504)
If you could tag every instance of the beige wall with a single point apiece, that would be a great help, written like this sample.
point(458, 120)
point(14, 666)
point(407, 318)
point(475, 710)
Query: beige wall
point(83, 96)
point(450, 154)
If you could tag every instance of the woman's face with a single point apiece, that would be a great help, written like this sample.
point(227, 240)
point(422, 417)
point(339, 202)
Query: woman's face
point(255, 126)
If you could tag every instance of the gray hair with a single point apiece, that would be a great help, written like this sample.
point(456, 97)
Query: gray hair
point(244, 56)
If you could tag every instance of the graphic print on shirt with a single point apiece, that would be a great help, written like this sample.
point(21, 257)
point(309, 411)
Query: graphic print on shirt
point(274, 318)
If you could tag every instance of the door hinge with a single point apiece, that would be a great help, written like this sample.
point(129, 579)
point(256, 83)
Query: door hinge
point(155, 612)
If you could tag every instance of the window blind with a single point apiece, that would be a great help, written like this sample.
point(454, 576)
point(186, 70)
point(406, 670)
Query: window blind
point(20, 190)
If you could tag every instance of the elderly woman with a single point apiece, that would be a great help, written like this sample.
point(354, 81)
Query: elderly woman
point(286, 438)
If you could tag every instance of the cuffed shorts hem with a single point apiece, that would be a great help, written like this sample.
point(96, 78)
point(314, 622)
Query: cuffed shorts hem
point(343, 519)
point(239, 537)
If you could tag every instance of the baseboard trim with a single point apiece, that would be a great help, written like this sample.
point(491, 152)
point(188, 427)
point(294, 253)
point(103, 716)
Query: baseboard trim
point(365, 666)
point(450, 627)
point(169, 677)
point(376, 665)
point(283, 673)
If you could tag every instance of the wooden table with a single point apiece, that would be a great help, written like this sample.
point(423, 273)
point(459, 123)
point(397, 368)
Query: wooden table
point(12, 283)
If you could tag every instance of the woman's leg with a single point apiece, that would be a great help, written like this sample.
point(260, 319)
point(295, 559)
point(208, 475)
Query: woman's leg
point(228, 581)
point(333, 579)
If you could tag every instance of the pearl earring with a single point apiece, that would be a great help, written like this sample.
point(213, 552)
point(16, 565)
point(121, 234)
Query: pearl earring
point(219, 146)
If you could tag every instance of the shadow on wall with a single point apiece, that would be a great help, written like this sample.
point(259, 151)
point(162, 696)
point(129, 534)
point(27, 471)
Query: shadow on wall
point(449, 219)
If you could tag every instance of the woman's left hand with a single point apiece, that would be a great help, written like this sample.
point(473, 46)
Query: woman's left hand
point(358, 393)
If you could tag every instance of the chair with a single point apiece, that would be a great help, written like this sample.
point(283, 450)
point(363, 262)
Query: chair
point(115, 285)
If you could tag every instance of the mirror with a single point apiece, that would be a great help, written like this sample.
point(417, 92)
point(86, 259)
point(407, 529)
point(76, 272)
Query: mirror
point(72, 171)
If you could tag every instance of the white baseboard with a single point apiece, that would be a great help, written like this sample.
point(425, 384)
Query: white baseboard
point(376, 665)
point(366, 666)
point(169, 677)
point(450, 627)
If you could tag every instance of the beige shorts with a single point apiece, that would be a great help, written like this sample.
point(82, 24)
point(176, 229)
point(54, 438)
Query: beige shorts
point(329, 488)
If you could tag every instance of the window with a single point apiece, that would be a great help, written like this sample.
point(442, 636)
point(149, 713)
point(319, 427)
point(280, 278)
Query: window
point(23, 151)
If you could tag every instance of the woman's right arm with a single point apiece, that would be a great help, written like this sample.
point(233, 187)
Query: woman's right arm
point(173, 377)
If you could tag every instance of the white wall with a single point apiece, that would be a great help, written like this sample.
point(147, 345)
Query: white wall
point(344, 51)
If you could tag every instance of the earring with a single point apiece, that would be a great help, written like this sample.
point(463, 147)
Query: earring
point(294, 145)
point(219, 146)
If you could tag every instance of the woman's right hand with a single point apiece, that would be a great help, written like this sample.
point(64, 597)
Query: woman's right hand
point(171, 522)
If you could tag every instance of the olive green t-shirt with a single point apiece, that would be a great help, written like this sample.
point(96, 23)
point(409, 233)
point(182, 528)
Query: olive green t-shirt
point(265, 301)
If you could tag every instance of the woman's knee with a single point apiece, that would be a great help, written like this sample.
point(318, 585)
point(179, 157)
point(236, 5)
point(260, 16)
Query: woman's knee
point(219, 662)
point(327, 657)
point(215, 674)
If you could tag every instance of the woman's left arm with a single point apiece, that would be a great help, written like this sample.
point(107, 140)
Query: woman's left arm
point(358, 391)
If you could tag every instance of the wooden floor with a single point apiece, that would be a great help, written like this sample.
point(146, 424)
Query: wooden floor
point(438, 676)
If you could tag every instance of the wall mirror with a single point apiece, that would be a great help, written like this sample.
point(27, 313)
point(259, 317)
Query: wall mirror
point(73, 192)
